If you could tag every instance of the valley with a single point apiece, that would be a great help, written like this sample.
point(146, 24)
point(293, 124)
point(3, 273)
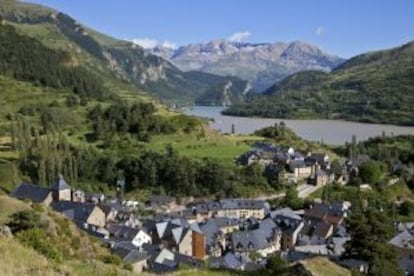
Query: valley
point(104, 171)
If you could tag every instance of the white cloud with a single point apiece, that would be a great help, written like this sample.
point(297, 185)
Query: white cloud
point(240, 36)
point(320, 31)
point(149, 43)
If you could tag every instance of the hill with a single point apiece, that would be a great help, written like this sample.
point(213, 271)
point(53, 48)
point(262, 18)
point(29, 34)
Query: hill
point(56, 247)
point(260, 63)
point(375, 87)
point(116, 61)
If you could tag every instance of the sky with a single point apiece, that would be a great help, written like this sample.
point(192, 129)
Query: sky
point(344, 28)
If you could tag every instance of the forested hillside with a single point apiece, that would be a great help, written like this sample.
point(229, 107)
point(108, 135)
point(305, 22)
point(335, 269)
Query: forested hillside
point(118, 60)
point(374, 87)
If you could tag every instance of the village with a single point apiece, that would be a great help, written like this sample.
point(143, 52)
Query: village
point(163, 233)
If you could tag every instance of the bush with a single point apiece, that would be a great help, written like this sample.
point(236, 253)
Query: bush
point(112, 259)
point(370, 172)
point(76, 243)
point(37, 239)
point(406, 208)
point(25, 220)
point(128, 266)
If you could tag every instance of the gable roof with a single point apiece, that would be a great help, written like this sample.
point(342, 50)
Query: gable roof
point(320, 229)
point(34, 193)
point(60, 184)
point(130, 256)
point(404, 239)
point(74, 210)
point(250, 239)
point(239, 203)
point(285, 212)
point(122, 231)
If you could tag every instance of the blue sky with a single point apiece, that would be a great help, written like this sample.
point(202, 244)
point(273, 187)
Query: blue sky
point(345, 28)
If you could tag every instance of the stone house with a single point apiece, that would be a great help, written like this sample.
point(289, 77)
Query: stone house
point(243, 208)
point(137, 236)
point(34, 193)
point(81, 212)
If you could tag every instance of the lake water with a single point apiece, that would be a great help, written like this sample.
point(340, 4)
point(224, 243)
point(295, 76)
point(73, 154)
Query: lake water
point(333, 132)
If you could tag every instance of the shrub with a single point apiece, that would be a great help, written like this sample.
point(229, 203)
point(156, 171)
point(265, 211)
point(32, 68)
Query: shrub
point(37, 239)
point(111, 259)
point(128, 266)
point(24, 220)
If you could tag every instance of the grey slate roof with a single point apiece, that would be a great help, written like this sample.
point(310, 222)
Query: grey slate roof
point(248, 240)
point(225, 221)
point(32, 192)
point(74, 210)
point(244, 204)
point(285, 212)
point(130, 256)
point(404, 239)
point(296, 164)
point(60, 184)
point(122, 231)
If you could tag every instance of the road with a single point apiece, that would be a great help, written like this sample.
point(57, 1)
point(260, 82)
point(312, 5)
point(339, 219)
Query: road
point(304, 190)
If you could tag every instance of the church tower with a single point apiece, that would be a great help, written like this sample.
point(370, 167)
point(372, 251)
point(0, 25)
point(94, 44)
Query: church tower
point(61, 191)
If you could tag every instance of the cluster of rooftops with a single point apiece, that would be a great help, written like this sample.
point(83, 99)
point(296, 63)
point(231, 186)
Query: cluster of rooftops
point(224, 231)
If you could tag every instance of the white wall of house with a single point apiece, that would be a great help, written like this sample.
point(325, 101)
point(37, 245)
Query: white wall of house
point(141, 238)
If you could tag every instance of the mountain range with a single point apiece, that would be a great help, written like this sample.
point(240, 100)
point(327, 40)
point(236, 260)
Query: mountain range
point(262, 63)
point(376, 87)
point(118, 62)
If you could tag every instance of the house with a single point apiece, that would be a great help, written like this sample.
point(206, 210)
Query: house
point(226, 224)
point(61, 191)
point(299, 169)
point(331, 213)
point(404, 239)
point(214, 238)
point(320, 159)
point(255, 156)
point(352, 165)
point(94, 197)
point(179, 236)
point(243, 208)
point(285, 213)
point(34, 193)
point(337, 245)
point(264, 240)
point(80, 212)
point(78, 196)
point(110, 212)
point(164, 261)
point(199, 242)
point(138, 259)
point(160, 202)
point(315, 233)
point(355, 265)
point(320, 178)
point(205, 210)
point(137, 236)
point(232, 261)
point(290, 224)
point(249, 158)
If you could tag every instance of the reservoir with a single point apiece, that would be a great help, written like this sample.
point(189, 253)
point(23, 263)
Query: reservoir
point(334, 132)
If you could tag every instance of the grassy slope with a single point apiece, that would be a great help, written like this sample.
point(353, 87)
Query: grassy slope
point(9, 206)
point(211, 144)
point(320, 266)
point(17, 259)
